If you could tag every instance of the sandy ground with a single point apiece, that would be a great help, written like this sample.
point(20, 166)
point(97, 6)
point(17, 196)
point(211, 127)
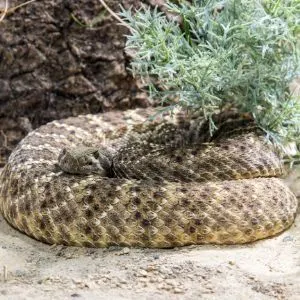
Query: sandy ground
point(268, 269)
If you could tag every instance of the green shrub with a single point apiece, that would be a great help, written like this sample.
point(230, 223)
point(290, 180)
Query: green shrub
point(231, 53)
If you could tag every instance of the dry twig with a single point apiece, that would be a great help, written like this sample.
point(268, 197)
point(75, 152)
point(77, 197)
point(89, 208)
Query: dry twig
point(115, 15)
point(7, 10)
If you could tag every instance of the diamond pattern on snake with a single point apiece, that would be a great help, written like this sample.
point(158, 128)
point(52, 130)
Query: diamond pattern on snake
point(120, 178)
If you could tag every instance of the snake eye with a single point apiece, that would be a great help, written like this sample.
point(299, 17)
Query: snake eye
point(63, 151)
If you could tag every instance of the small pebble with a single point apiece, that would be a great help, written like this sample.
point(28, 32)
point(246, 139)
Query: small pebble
point(124, 251)
point(151, 268)
point(123, 281)
point(142, 273)
point(287, 239)
point(20, 273)
point(178, 290)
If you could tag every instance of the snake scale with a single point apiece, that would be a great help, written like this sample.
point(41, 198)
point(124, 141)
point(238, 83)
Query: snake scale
point(122, 179)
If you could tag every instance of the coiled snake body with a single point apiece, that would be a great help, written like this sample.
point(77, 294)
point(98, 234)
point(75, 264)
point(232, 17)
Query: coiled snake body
point(134, 182)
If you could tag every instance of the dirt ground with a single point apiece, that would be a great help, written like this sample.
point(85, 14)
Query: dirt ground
point(268, 269)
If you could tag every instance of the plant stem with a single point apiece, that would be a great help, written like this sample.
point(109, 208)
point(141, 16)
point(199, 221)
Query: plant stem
point(114, 15)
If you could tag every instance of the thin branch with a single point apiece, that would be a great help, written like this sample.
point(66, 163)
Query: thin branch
point(5, 11)
point(115, 15)
point(22, 4)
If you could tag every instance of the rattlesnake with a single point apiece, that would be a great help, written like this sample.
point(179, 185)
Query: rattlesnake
point(161, 183)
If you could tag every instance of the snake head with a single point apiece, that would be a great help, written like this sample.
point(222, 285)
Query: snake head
point(84, 161)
